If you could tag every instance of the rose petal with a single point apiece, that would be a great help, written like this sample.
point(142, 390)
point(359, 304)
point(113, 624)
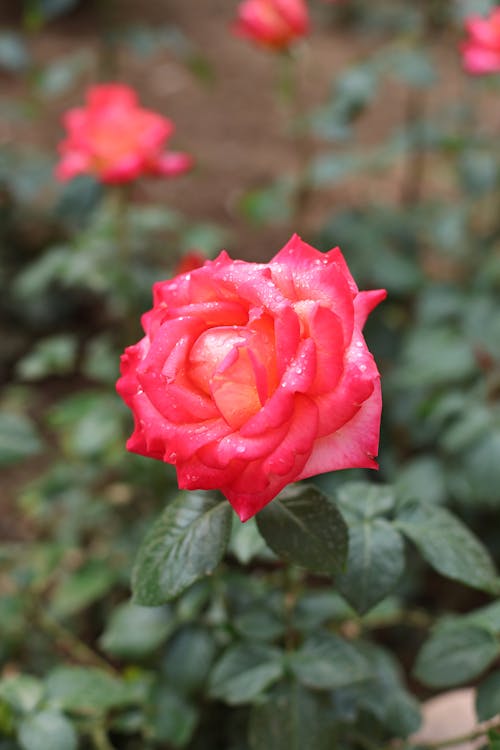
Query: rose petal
point(353, 445)
point(365, 302)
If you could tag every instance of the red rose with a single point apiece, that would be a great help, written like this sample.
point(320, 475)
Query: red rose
point(251, 376)
point(116, 140)
point(272, 23)
point(481, 51)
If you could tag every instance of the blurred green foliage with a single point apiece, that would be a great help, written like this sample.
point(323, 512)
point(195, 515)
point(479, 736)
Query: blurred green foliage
point(337, 646)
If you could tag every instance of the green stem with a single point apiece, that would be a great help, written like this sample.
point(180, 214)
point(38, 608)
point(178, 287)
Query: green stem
point(414, 618)
point(411, 189)
point(289, 91)
point(126, 293)
point(100, 738)
point(64, 639)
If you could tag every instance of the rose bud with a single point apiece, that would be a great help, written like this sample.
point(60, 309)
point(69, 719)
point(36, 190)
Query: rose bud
point(481, 51)
point(272, 23)
point(116, 140)
point(254, 375)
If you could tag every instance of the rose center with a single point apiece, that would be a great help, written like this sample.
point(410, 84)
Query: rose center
point(232, 365)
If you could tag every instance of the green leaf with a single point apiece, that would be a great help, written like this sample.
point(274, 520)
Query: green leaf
point(83, 587)
point(374, 564)
point(244, 672)
point(314, 608)
point(268, 205)
point(384, 695)
point(47, 729)
point(447, 544)
point(488, 697)
point(365, 499)
point(91, 423)
point(52, 8)
point(188, 659)
point(487, 617)
point(326, 661)
point(18, 438)
point(172, 718)
point(87, 690)
point(493, 739)
point(422, 471)
point(412, 66)
point(290, 719)
point(22, 692)
point(14, 56)
point(78, 199)
point(51, 356)
point(455, 654)
point(332, 169)
point(58, 77)
point(134, 631)
point(259, 623)
point(246, 543)
point(436, 357)
point(304, 527)
point(186, 543)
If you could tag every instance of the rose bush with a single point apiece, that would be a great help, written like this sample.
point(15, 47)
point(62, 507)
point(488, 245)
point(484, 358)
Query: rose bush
point(272, 23)
point(251, 376)
point(481, 50)
point(116, 140)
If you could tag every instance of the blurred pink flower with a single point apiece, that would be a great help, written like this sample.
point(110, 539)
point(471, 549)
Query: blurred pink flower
point(116, 140)
point(272, 23)
point(481, 51)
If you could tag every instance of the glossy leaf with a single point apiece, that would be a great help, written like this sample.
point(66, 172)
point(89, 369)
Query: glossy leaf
point(455, 654)
point(134, 631)
point(326, 661)
point(365, 499)
point(186, 543)
point(488, 697)
point(304, 527)
point(384, 695)
point(244, 672)
point(375, 563)
point(447, 544)
point(290, 719)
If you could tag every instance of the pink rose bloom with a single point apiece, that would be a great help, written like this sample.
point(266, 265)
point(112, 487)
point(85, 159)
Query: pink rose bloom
point(481, 51)
point(116, 140)
point(254, 375)
point(272, 23)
